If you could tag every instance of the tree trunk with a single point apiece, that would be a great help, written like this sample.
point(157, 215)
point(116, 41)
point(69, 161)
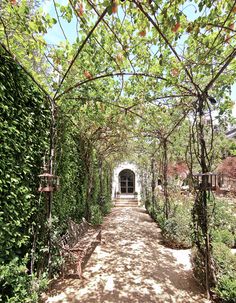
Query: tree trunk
point(165, 180)
point(153, 181)
point(201, 200)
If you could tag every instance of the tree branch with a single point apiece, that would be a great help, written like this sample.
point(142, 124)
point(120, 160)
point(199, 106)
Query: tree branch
point(105, 76)
point(79, 51)
point(228, 61)
point(138, 4)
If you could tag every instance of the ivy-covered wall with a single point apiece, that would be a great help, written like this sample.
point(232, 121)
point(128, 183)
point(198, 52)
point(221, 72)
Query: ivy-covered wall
point(24, 132)
point(85, 186)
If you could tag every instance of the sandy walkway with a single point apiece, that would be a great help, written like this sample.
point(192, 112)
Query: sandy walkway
point(131, 265)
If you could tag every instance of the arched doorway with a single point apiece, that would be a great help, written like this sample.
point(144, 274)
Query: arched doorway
point(127, 181)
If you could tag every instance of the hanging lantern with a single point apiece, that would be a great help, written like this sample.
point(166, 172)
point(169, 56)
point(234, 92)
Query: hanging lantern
point(48, 182)
point(206, 181)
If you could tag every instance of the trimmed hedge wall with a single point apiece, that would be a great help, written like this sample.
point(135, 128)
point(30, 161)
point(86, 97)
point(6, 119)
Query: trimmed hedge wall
point(24, 125)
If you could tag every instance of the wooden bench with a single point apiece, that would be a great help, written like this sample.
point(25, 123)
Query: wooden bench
point(76, 247)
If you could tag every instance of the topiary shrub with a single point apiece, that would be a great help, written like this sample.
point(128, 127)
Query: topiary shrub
point(157, 215)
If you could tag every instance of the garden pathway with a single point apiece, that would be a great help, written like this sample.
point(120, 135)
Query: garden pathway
point(131, 265)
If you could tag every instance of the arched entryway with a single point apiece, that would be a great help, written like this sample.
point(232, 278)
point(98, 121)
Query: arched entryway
point(127, 181)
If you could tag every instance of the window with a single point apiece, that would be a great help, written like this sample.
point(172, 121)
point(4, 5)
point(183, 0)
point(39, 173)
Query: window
point(127, 181)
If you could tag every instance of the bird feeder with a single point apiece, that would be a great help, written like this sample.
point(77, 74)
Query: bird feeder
point(48, 182)
point(206, 181)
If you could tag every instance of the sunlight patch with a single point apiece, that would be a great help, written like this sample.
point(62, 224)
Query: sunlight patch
point(109, 284)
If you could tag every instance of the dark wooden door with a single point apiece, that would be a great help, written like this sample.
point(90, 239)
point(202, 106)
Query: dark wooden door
point(127, 185)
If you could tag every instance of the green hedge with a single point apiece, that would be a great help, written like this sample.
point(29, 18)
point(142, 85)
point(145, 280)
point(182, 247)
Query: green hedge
point(85, 187)
point(24, 125)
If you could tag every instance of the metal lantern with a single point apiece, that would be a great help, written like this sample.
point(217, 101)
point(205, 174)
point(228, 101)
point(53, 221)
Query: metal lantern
point(206, 181)
point(48, 182)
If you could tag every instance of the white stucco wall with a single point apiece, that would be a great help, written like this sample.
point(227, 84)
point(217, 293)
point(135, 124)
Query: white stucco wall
point(115, 181)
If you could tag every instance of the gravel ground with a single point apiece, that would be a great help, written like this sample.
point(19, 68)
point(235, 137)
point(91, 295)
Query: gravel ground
point(131, 265)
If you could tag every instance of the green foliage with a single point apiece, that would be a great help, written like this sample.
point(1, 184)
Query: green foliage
point(157, 215)
point(106, 207)
point(224, 214)
point(223, 236)
point(177, 230)
point(85, 188)
point(225, 260)
point(96, 215)
point(225, 269)
point(69, 201)
point(24, 125)
point(224, 223)
point(17, 286)
point(226, 289)
point(225, 263)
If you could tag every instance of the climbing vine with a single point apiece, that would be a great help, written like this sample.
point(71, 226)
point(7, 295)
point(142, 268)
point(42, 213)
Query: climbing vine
point(24, 128)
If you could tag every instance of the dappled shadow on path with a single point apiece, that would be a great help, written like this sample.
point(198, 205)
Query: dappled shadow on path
point(131, 265)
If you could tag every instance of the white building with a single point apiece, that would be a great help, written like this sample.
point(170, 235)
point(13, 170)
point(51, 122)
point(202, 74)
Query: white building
point(126, 181)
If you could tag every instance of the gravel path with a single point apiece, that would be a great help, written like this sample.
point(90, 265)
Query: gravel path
point(131, 265)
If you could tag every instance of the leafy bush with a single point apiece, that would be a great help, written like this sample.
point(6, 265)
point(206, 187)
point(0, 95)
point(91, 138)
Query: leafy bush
point(225, 270)
point(24, 132)
point(224, 215)
point(223, 236)
point(23, 120)
point(106, 207)
point(17, 286)
point(177, 230)
point(225, 264)
point(225, 260)
point(96, 215)
point(177, 233)
point(226, 289)
point(157, 215)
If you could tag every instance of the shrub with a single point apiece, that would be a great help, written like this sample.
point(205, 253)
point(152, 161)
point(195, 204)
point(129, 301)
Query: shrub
point(226, 289)
point(106, 208)
point(225, 269)
point(223, 236)
point(224, 217)
point(225, 260)
point(16, 285)
point(157, 215)
point(177, 230)
point(96, 215)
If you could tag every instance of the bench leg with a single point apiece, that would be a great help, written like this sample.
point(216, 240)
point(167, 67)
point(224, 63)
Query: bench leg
point(79, 271)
